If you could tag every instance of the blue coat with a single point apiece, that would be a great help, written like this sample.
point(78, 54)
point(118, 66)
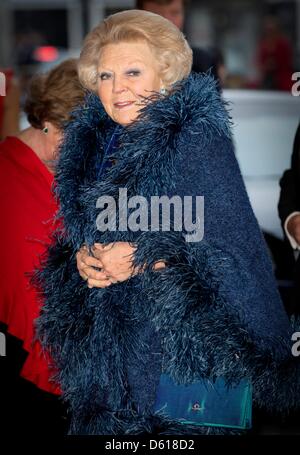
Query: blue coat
point(214, 311)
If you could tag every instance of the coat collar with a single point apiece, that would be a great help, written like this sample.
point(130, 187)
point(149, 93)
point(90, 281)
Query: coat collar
point(194, 100)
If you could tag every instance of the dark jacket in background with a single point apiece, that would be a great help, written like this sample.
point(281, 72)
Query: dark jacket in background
point(204, 61)
point(289, 202)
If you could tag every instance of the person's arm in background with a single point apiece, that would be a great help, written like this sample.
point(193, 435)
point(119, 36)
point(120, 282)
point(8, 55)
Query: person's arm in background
point(289, 201)
point(10, 125)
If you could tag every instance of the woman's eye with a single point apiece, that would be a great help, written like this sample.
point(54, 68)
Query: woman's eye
point(104, 76)
point(133, 73)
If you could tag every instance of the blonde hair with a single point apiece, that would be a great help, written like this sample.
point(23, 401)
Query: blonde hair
point(172, 52)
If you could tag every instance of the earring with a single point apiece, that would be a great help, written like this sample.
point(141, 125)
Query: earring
point(45, 130)
point(163, 91)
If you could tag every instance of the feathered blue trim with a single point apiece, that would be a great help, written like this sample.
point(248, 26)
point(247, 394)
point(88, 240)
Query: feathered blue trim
point(107, 343)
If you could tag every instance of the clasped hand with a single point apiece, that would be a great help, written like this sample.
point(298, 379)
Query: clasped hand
point(108, 264)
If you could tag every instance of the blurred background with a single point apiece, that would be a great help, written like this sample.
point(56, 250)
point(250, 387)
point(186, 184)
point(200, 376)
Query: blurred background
point(35, 35)
point(233, 27)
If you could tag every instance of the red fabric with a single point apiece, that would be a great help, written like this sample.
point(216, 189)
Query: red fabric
point(275, 58)
point(27, 207)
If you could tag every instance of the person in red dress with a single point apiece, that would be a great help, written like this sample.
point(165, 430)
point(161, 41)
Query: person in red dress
point(28, 207)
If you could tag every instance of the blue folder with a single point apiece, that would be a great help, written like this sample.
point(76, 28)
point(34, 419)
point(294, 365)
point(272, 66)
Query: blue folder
point(205, 403)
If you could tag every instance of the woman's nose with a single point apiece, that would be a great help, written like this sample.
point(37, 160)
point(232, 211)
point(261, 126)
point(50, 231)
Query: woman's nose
point(118, 85)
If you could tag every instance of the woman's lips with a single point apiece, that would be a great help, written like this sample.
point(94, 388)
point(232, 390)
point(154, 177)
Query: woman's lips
point(122, 104)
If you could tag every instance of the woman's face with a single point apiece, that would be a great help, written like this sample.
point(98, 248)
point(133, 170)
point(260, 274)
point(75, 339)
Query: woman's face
point(127, 72)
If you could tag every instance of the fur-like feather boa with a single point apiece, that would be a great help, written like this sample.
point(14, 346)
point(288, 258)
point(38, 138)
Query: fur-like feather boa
point(213, 312)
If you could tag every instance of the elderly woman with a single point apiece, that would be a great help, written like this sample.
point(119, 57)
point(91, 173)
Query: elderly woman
point(28, 207)
point(172, 300)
